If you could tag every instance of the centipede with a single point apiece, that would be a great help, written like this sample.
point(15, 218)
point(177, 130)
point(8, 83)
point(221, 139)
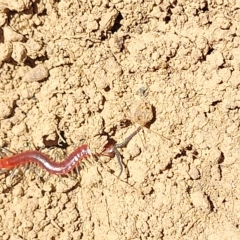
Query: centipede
point(71, 162)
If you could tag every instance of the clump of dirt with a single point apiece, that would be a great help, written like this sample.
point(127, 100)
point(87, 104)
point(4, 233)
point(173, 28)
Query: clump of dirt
point(72, 72)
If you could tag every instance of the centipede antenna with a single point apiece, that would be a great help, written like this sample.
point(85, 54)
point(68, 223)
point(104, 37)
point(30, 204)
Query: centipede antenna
point(127, 140)
point(119, 159)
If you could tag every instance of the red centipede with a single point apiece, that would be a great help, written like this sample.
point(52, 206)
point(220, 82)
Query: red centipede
point(69, 163)
point(34, 156)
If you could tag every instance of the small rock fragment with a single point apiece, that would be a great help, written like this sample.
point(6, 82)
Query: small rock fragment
point(199, 200)
point(19, 53)
point(3, 18)
point(235, 79)
point(12, 36)
point(18, 6)
point(143, 114)
point(215, 173)
point(108, 20)
point(113, 67)
point(194, 173)
point(215, 155)
point(5, 110)
point(5, 51)
point(37, 74)
point(215, 59)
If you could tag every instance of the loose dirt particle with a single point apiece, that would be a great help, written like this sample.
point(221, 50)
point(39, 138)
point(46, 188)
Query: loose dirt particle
point(199, 200)
point(215, 155)
point(11, 36)
point(5, 110)
point(19, 53)
point(194, 173)
point(18, 6)
point(5, 51)
point(3, 18)
point(108, 20)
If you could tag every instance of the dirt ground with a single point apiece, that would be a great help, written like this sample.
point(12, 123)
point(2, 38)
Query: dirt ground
point(84, 72)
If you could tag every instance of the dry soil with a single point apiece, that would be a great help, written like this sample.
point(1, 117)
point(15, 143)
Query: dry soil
point(75, 72)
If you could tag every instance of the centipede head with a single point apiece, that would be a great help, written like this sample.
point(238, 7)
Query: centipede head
point(109, 150)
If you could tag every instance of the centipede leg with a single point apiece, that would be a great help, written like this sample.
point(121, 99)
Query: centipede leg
point(38, 172)
point(48, 177)
point(25, 168)
point(9, 181)
point(84, 165)
point(71, 174)
point(3, 171)
point(31, 167)
point(6, 151)
point(13, 173)
point(78, 173)
point(90, 160)
point(77, 170)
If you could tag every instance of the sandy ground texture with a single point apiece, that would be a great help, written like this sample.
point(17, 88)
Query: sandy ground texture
point(75, 72)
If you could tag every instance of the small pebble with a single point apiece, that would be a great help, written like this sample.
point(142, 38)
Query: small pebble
point(194, 173)
point(5, 51)
point(37, 74)
point(143, 114)
point(19, 53)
